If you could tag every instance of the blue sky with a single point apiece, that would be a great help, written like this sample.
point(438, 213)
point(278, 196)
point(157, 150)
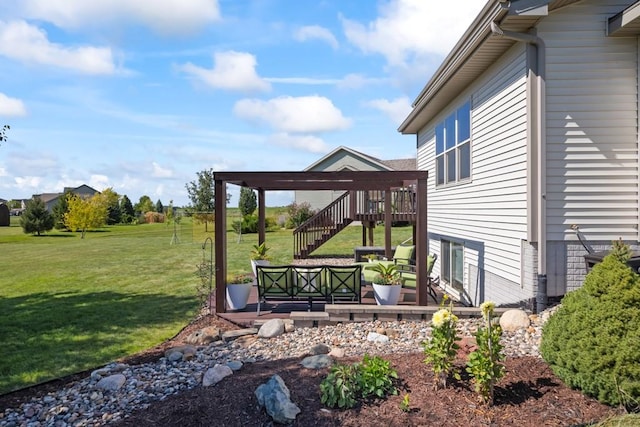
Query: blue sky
point(139, 96)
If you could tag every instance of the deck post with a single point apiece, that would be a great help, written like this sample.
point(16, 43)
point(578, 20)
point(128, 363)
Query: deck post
point(387, 223)
point(220, 188)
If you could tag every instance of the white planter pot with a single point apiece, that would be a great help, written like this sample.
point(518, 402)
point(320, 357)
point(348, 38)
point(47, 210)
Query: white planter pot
point(386, 294)
point(238, 295)
point(255, 262)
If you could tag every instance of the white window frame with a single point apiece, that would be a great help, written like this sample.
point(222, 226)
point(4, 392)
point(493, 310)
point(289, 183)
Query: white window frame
point(453, 142)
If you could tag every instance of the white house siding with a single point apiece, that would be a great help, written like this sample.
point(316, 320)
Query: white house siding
point(592, 154)
point(342, 160)
point(488, 214)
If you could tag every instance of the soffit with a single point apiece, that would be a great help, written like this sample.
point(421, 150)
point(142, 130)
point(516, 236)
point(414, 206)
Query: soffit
point(625, 23)
point(477, 50)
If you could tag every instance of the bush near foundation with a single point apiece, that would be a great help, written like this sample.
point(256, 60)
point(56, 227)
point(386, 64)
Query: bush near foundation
point(593, 341)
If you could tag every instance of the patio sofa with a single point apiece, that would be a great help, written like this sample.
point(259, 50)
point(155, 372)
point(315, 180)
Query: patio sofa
point(326, 283)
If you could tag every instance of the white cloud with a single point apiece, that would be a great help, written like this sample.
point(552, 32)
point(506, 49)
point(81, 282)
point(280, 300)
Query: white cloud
point(406, 30)
point(397, 109)
point(158, 171)
point(11, 107)
point(28, 184)
point(305, 114)
point(357, 81)
point(231, 71)
point(163, 16)
point(309, 143)
point(27, 43)
point(315, 32)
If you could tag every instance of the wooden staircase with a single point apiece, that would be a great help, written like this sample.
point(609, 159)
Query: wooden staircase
point(364, 206)
point(321, 227)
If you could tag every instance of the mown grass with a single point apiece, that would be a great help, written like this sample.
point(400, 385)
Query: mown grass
point(69, 304)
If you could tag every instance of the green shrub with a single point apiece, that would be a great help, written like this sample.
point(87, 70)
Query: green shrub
point(593, 341)
point(298, 213)
point(345, 383)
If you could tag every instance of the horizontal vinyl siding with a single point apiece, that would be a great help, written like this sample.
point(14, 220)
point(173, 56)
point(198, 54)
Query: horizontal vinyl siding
point(592, 158)
point(489, 214)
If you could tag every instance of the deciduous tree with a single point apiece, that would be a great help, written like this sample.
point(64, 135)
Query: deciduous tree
point(144, 205)
point(247, 202)
point(36, 219)
point(3, 133)
point(85, 214)
point(202, 195)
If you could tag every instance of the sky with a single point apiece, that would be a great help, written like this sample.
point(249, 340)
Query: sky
point(139, 96)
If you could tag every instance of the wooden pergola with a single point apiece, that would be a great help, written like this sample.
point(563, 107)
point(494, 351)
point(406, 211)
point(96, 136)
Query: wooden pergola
point(339, 180)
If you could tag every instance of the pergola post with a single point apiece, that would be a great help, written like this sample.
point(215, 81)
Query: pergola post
point(262, 213)
point(220, 234)
point(421, 241)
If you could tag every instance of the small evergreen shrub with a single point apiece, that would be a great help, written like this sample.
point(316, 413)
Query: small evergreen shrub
point(593, 341)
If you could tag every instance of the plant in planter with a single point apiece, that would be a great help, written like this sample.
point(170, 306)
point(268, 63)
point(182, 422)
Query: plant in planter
point(259, 256)
point(238, 290)
point(370, 257)
point(386, 284)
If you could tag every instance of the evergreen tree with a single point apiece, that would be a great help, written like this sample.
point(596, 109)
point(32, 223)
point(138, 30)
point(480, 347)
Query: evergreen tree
point(126, 210)
point(159, 207)
point(59, 209)
point(114, 214)
point(247, 202)
point(35, 218)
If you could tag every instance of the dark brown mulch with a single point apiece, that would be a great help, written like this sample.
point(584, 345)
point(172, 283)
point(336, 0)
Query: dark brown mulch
point(529, 395)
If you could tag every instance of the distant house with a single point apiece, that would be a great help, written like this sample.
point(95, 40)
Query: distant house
point(344, 158)
point(50, 199)
point(529, 126)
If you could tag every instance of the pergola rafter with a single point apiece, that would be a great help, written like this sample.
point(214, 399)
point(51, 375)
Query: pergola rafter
point(340, 180)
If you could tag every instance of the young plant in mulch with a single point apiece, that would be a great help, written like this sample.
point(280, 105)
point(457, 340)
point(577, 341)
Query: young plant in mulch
point(441, 349)
point(484, 364)
point(346, 384)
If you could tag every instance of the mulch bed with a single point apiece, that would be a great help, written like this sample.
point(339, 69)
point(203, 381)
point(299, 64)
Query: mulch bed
point(529, 395)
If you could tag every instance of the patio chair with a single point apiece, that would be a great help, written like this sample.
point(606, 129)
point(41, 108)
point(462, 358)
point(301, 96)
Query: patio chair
point(274, 282)
point(408, 276)
point(308, 282)
point(403, 255)
point(344, 282)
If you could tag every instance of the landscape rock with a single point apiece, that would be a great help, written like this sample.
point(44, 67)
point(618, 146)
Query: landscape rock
point(271, 328)
point(378, 338)
point(235, 365)
point(275, 397)
point(204, 336)
point(216, 374)
point(181, 352)
point(112, 382)
point(512, 320)
point(232, 335)
point(289, 326)
point(319, 349)
point(317, 362)
point(337, 352)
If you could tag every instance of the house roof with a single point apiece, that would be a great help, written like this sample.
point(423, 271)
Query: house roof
point(625, 23)
point(47, 197)
point(476, 51)
point(389, 165)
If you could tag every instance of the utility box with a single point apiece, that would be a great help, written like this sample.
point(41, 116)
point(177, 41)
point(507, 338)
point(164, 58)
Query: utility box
point(596, 257)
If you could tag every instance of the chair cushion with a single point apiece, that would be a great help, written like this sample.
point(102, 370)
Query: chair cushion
point(404, 254)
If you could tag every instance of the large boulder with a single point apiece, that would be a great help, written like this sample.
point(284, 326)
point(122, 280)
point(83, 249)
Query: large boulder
point(512, 320)
point(275, 397)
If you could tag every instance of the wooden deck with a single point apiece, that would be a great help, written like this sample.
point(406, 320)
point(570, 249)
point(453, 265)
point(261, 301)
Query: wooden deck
point(282, 309)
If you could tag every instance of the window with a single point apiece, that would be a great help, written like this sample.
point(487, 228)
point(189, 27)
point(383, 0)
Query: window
point(452, 267)
point(453, 147)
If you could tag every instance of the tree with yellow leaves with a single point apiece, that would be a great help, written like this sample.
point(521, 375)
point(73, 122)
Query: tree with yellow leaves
point(85, 214)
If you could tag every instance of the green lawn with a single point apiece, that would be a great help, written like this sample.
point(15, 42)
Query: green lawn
point(69, 304)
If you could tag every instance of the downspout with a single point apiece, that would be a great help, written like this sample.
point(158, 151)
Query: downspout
point(539, 128)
